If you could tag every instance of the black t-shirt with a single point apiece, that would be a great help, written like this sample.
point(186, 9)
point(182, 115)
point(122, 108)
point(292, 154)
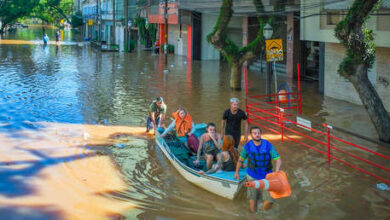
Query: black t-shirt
point(233, 121)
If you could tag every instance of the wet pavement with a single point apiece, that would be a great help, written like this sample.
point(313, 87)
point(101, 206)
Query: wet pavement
point(73, 143)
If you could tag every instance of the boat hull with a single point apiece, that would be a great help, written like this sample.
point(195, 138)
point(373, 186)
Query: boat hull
point(225, 188)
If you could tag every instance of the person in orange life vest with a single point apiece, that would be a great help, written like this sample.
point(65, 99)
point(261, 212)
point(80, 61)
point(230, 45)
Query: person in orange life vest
point(210, 142)
point(260, 154)
point(183, 125)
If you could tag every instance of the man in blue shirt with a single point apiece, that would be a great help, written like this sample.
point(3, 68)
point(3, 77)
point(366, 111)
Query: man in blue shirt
point(260, 154)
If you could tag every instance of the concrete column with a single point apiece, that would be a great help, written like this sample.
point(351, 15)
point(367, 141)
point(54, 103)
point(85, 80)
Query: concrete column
point(290, 45)
point(293, 46)
point(189, 42)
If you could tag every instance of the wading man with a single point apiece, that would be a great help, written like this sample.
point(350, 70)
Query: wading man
point(260, 154)
point(157, 111)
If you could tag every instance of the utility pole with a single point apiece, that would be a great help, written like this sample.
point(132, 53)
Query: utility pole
point(166, 32)
point(99, 19)
point(125, 11)
point(114, 20)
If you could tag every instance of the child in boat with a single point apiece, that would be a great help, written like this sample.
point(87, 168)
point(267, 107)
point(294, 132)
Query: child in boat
point(210, 142)
point(229, 156)
point(183, 125)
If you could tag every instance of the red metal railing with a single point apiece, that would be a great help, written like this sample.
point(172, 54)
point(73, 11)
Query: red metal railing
point(275, 120)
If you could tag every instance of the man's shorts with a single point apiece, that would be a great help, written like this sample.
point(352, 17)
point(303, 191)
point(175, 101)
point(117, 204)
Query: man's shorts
point(149, 123)
point(257, 195)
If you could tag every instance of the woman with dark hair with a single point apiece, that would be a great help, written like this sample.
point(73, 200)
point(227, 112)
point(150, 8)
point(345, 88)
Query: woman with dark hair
point(210, 142)
point(228, 160)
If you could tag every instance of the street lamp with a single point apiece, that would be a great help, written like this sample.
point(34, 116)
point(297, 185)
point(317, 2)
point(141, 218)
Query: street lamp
point(267, 33)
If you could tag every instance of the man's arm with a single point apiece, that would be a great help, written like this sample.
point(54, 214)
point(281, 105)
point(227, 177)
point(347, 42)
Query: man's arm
point(199, 149)
point(223, 127)
point(162, 119)
point(170, 128)
point(243, 156)
point(278, 164)
point(246, 131)
point(238, 167)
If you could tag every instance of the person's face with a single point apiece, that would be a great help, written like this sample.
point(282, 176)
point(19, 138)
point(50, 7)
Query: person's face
point(234, 106)
point(182, 114)
point(159, 104)
point(211, 130)
point(256, 134)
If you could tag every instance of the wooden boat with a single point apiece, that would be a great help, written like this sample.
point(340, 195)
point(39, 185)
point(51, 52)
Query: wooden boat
point(220, 183)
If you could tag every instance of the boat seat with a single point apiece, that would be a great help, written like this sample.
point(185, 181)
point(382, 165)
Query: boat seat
point(229, 175)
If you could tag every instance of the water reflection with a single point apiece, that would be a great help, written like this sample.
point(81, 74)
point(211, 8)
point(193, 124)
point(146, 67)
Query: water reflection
point(62, 164)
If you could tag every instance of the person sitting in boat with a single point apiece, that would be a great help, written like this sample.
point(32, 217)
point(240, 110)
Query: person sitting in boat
point(229, 156)
point(260, 154)
point(157, 111)
point(210, 142)
point(183, 125)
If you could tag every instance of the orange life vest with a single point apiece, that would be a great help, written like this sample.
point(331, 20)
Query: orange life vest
point(182, 126)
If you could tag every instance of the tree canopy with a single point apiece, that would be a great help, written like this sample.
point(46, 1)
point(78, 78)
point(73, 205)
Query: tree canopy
point(52, 11)
point(11, 10)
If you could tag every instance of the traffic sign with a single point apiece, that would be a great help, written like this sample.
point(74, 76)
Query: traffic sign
point(274, 48)
point(90, 22)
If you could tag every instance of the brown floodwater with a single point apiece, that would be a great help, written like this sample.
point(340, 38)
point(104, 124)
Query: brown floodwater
point(73, 144)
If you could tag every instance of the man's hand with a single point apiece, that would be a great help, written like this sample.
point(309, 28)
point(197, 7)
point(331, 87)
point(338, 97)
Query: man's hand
point(236, 176)
point(246, 139)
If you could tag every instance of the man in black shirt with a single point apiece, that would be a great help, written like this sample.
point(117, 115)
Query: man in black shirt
point(231, 122)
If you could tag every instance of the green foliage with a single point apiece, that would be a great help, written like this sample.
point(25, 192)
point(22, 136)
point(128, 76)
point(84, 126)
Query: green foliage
point(356, 38)
point(53, 11)
point(140, 23)
point(76, 19)
point(47, 10)
point(171, 48)
point(132, 44)
point(10, 11)
point(146, 32)
point(230, 51)
point(152, 30)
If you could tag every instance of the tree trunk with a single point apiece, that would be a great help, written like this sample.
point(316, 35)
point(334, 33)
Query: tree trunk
point(372, 102)
point(360, 51)
point(235, 76)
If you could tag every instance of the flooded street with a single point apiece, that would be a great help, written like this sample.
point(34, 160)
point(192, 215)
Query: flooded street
point(73, 142)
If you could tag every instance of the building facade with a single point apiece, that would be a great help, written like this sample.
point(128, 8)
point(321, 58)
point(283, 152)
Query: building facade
point(323, 53)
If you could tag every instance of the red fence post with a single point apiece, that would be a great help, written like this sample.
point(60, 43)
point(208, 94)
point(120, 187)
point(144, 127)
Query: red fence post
point(299, 90)
point(281, 122)
point(246, 93)
point(328, 127)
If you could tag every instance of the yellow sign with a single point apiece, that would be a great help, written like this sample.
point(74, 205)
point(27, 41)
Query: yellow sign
point(274, 49)
point(90, 22)
point(62, 21)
